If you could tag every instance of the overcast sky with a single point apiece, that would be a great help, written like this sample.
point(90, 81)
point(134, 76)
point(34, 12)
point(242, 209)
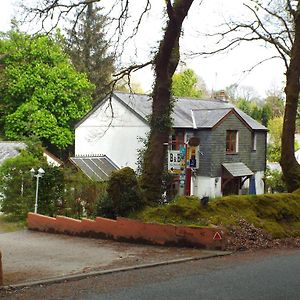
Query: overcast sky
point(218, 71)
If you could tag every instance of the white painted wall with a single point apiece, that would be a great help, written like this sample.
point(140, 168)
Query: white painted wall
point(259, 183)
point(206, 186)
point(112, 130)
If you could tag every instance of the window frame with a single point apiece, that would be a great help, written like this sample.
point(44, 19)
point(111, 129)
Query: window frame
point(232, 141)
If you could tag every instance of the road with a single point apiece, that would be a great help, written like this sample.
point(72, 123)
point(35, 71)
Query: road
point(268, 274)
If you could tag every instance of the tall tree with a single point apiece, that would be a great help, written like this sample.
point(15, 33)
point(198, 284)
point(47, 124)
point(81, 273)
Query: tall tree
point(164, 63)
point(277, 24)
point(288, 162)
point(42, 94)
point(88, 48)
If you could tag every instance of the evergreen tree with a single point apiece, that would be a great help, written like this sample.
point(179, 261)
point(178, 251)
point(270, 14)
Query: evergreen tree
point(88, 49)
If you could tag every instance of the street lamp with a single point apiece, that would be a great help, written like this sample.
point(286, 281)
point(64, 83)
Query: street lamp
point(38, 175)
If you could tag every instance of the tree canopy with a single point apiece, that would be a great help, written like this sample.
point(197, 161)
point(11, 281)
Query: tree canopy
point(185, 84)
point(42, 94)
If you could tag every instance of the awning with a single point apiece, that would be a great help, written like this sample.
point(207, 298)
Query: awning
point(237, 169)
point(97, 168)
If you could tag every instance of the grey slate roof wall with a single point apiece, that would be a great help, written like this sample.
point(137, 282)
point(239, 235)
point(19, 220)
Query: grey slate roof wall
point(10, 149)
point(205, 157)
point(215, 148)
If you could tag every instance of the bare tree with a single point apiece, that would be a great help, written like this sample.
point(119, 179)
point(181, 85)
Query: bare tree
point(277, 24)
point(164, 61)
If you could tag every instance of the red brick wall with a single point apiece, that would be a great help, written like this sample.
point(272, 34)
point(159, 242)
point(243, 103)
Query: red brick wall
point(130, 230)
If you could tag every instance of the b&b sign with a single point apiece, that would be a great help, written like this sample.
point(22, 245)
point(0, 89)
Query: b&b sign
point(174, 159)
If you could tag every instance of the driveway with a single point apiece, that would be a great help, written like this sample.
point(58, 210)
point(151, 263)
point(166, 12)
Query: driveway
point(31, 256)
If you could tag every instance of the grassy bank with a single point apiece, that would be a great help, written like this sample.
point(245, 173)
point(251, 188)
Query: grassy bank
point(278, 214)
point(9, 225)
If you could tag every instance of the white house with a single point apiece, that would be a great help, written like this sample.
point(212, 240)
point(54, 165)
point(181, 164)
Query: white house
point(214, 149)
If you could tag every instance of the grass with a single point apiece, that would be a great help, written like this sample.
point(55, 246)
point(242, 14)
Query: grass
point(9, 225)
point(278, 214)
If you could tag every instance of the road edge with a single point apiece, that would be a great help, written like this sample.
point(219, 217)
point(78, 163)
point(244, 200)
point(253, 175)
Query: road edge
point(79, 276)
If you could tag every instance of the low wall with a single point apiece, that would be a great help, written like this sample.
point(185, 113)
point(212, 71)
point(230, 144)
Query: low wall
point(130, 230)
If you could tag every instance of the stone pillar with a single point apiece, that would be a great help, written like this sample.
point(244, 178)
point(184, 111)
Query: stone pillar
point(1, 271)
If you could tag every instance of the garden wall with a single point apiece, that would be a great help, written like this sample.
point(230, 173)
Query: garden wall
point(130, 230)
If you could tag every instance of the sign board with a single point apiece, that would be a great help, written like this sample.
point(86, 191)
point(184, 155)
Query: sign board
point(174, 159)
point(217, 236)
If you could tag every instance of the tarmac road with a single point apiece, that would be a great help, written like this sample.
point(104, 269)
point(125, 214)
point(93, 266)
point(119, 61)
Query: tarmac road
point(29, 256)
point(266, 275)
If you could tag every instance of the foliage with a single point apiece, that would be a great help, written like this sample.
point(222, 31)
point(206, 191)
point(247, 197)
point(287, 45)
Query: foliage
point(17, 186)
point(274, 181)
point(184, 84)
point(81, 194)
point(250, 108)
point(8, 224)
point(88, 49)
point(42, 94)
point(63, 191)
point(274, 143)
point(278, 214)
point(105, 207)
point(123, 194)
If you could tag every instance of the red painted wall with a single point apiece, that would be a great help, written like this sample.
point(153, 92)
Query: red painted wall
point(130, 230)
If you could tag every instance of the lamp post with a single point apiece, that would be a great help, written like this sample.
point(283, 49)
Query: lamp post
point(38, 175)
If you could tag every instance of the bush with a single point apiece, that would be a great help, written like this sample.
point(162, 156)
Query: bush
point(105, 207)
point(123, 194)
point(17, 187)
point(274, 181)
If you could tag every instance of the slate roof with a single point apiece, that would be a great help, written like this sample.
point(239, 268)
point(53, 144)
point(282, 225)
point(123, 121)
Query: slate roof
point(238, 169)
point(10, 149)
point(188, 113)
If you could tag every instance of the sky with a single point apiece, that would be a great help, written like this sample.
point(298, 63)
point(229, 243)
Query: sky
point(218, 71)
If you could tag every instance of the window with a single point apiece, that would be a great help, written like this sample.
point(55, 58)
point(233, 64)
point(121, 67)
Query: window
point(254, 138)
point(175, 140)
point(231, 141)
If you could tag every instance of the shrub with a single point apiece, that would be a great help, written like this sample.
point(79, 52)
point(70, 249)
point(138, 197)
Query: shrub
point(124, 193)
point(274, 181)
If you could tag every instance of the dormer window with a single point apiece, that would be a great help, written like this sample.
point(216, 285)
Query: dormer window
point(231, 141)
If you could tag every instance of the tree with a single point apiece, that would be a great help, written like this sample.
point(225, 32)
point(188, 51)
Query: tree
point(165, 62)
point(185, 84)
point(288, 162)
point(274, 143)
point(42, 94)
point(277, 24)
point(88, 50)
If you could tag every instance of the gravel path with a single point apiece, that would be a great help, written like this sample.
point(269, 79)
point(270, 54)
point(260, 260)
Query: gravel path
point(29, 256)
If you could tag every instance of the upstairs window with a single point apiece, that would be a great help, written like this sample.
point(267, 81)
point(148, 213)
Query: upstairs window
point(231, 141)
point(175, 140)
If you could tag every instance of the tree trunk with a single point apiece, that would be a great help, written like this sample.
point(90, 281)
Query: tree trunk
point(288, 162)
point(165, 65)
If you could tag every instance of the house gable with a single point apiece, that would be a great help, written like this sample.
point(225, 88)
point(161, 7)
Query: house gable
point(112, 129)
